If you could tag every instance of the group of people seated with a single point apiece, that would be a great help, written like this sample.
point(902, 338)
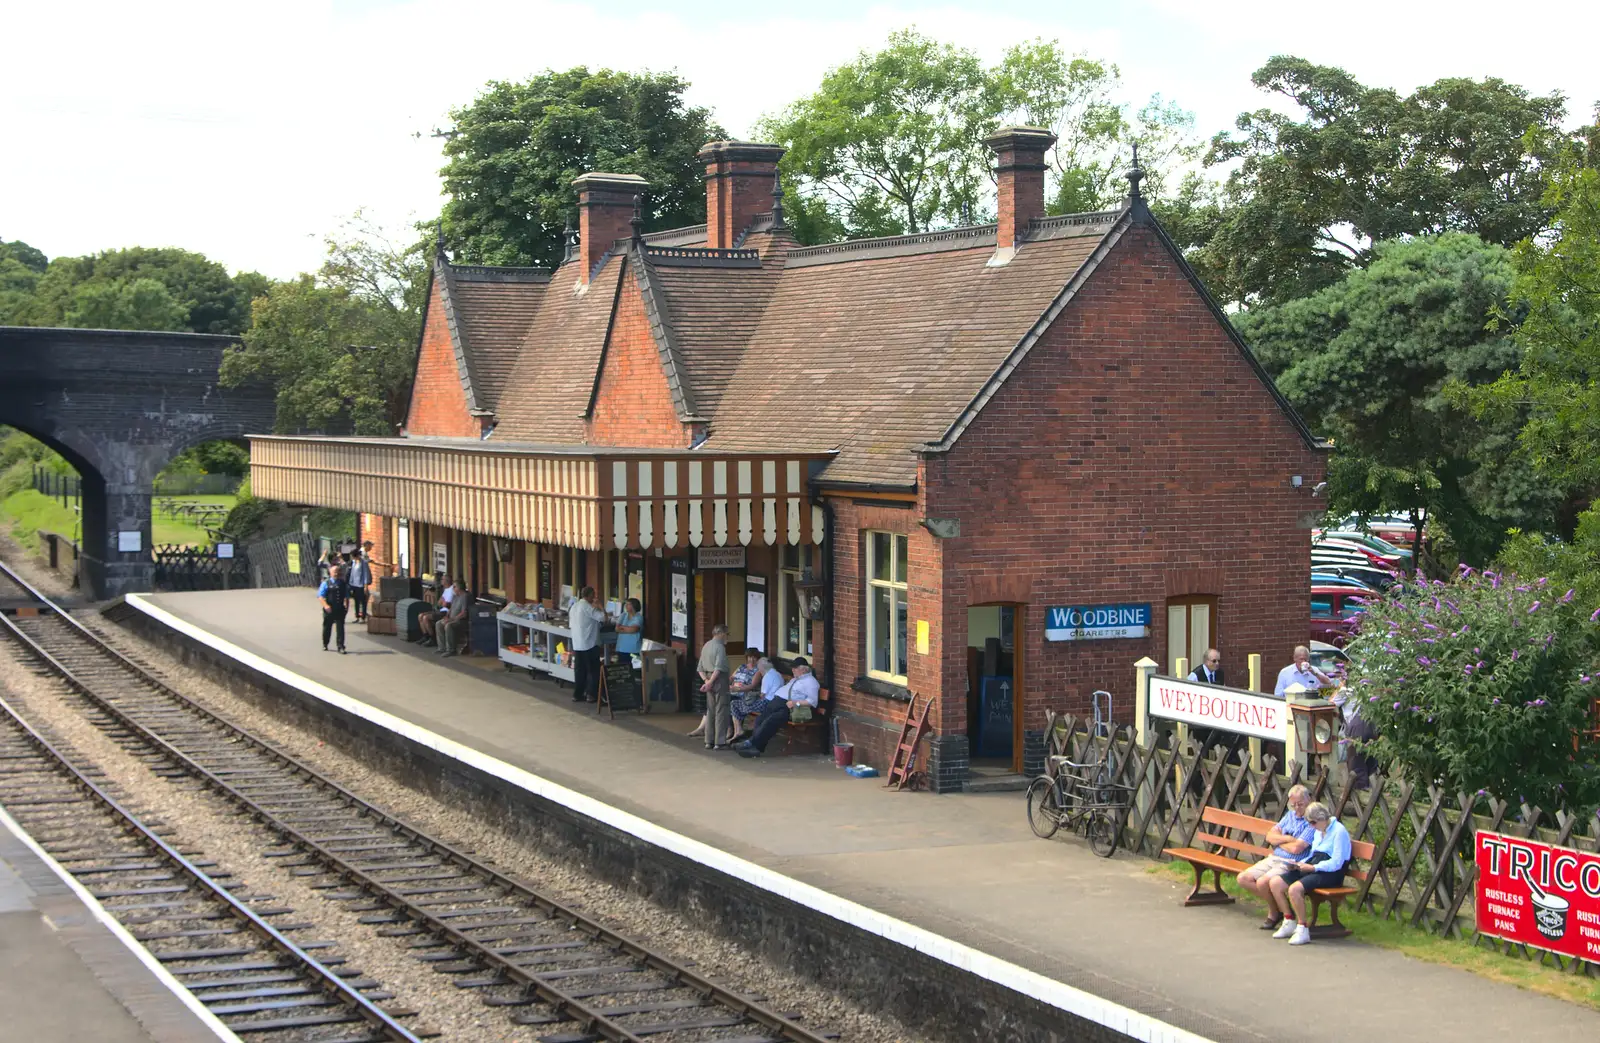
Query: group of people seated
point(761, 701)
point(1310, 849)
point(445, 625)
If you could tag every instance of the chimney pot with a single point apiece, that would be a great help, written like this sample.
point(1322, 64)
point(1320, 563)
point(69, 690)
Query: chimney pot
point(605, 214)
point(739, 187)
point(1020, 166)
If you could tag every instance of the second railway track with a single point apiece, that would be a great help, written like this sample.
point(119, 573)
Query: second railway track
point(545, 963)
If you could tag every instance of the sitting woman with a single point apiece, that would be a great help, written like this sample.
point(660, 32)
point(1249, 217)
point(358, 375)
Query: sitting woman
point(1324, 866)
point(746, 691)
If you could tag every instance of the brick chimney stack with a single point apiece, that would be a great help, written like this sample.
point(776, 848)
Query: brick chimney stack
point(605, 208)
point(1020, 152)
point(739, 181)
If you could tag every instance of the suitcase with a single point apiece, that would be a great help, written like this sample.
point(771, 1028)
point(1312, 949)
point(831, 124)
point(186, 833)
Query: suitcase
point(381, 609)
point(380, 624)
point(394, 588)
point(406, 613)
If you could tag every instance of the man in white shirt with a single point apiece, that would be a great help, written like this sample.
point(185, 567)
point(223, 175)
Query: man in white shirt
point(1301, 673)
point(794, 701)
point(584, 619)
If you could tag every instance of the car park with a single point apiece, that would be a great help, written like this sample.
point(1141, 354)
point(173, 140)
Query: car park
point(1319, 578)
point(1334, 611)
point(1371, 575)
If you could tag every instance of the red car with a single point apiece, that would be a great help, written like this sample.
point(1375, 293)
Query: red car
point(1334, 611)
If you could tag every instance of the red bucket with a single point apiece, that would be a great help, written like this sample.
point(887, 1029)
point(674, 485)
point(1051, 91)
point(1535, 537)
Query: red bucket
point(844, 754)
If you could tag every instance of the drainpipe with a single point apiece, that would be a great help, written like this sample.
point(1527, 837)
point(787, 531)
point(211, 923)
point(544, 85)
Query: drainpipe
point(827, 619)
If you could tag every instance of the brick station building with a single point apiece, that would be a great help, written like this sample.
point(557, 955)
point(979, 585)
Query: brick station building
point(909, 449)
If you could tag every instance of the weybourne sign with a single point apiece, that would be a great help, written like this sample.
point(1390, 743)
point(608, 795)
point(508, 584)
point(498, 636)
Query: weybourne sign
point(1096, 622)
point(1212, 706)
point(1539, 895)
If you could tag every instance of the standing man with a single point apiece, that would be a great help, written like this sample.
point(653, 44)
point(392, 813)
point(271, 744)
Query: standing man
point(1210, 669)
point(360, 580)
point(1302, 673)
point(584, 618)
point(714, 678)
point(334, 593)
point(795, 701)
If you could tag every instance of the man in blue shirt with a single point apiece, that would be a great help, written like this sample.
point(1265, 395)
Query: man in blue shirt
point(334, 593)
point(1291, 840)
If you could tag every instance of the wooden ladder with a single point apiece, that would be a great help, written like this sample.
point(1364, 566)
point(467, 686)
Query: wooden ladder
point(902, 767)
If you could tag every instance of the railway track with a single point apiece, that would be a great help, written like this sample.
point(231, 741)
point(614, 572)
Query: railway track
point(546, 963)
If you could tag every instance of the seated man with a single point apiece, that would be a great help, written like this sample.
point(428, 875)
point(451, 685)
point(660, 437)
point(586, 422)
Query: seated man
point(794, 701)
point(453, 627)
point(1290, 839)
point(430, 617)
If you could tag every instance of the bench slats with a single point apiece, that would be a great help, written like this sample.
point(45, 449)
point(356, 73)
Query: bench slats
point(1206, 858)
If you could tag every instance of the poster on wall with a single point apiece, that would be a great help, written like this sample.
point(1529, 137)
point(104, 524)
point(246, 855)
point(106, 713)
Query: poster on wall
point(755, 614)
point(292, 559)
point(1538, 894)
point(680, 605)
point(441, 558)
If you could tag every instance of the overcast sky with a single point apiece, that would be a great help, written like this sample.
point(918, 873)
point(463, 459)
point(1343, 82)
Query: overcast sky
point(249, 131)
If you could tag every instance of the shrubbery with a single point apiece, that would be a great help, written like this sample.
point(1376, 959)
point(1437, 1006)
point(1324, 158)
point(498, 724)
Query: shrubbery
point(1484, 683)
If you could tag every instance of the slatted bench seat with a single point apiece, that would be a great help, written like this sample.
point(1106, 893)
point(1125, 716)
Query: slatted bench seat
point(1213, 862)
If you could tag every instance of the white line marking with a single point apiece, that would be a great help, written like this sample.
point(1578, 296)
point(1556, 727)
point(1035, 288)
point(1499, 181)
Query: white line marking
point(162, 975)
point(1019, 979)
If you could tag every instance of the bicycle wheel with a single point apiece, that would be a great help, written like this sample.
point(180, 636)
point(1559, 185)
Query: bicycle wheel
point(1044, 808)
point(1102, 833)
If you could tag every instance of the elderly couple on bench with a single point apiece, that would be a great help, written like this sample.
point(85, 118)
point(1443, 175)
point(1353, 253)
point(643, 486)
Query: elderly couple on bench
point(1310, 850)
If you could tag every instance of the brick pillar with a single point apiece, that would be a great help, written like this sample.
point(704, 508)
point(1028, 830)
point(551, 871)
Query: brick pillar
point(1020, 167)
point(605, 210)
point(739, 181)
point(375, 527)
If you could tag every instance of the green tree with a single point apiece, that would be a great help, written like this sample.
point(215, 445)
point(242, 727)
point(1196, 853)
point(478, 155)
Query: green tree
point(1556, 376)
point(339, 346)
point(1370, 361)
point(892, 142)
point(516, 149)
point(21, 266)
point(125, 304)
point(210, 300)
point(1311, 194)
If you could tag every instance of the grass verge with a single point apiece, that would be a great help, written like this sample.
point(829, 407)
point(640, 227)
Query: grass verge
point(28, 511)
point(1419, 944)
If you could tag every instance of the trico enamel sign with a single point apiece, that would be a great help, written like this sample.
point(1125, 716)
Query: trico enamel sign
point(1539, 895)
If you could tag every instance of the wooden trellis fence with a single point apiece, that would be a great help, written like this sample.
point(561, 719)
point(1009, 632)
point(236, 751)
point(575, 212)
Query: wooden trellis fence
point(180, 567)
point(1424, 838)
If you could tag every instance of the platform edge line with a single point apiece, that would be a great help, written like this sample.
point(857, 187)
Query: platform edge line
point(1037, 986)
point(90, 902)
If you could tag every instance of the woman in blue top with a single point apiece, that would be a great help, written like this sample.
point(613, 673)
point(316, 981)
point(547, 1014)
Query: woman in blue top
point(1323, 866)
point(630, 627)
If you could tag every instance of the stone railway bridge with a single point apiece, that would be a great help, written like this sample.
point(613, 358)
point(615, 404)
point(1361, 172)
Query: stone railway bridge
point(118, 405)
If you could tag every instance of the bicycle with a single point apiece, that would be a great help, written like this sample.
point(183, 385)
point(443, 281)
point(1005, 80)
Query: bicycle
point(1082, 797)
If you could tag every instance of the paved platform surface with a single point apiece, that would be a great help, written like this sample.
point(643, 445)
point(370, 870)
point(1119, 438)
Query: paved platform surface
point(965, 865)
point(65, 976)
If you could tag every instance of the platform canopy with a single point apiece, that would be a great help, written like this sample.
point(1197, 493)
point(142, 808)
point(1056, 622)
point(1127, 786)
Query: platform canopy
point(589, 497)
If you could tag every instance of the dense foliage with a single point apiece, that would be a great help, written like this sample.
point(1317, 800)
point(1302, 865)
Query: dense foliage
point(516, 149)
point(1484, 683)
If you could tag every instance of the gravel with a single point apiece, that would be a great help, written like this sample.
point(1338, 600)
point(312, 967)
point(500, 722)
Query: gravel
point(620, 910)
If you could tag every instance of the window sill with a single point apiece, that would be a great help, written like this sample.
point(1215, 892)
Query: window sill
point(881, 688)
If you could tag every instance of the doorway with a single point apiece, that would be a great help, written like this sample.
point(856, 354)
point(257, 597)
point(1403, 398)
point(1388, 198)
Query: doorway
point(996, 685)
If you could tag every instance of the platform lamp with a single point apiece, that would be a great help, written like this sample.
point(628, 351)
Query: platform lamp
point(1316, 724)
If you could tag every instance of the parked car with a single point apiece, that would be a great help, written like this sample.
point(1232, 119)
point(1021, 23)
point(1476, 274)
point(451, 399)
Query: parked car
point(1372, 544)
point(1323, 578)
point(1334, 611)
point(1371, 575)
point(1395, 528)
point(1330, 659)
point(1343, 543)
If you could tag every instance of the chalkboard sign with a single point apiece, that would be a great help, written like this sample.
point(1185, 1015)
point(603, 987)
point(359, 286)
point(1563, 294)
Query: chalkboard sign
point(546, 578)
point(619, 689)
point(994, 717)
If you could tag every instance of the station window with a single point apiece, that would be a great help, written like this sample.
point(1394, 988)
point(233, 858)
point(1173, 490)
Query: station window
point(1191, 629)
point(615, 585)
point(794, 631)
point(887, 566)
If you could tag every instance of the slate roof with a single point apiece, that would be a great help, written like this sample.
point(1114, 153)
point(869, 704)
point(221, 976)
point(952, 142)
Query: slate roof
point(488, 312)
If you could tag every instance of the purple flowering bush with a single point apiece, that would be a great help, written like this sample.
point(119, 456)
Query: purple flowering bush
point(1482, 684)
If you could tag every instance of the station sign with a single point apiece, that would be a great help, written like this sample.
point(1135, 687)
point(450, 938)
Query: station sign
point(1212, 706)
point(1538, 894)
point(1096, 622)
point(719, 558)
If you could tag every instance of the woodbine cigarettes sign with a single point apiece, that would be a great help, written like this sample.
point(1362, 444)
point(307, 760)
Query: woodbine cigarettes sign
point(1212, 706)
point(1539, 895)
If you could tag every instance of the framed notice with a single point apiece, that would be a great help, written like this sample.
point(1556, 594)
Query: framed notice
point(128, 541)
point(441, 558)
point(1538, 894)
point(755, 613)
point(224, 550)
point(720, 558)
point(1212, 706)
point(679, 593)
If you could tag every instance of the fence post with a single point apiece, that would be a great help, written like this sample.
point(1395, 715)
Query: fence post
point(1254, 660)
point(1180, 670)
point(1142, 670)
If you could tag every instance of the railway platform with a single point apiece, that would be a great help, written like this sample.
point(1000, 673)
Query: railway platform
point(66, 974)
point(957, 876)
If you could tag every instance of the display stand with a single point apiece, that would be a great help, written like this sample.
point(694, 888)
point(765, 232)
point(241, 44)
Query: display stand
point(531, 645)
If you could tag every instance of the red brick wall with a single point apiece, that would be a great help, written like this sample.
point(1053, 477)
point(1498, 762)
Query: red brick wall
point(634, 406)
point(1134, 455)
point(438, 402)
point(375, 527)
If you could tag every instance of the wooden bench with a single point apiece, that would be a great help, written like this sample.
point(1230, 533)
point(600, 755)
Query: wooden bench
point(1216, 864)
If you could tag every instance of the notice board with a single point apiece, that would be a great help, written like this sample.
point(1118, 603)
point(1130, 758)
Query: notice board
point(660, 679)
point(619, 689)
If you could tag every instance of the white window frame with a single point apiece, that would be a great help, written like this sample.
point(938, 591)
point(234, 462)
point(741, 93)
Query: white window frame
point(895, 584)
point(788, 578)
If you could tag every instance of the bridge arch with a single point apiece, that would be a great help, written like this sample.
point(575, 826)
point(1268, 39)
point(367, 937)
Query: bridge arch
point(119, 404)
